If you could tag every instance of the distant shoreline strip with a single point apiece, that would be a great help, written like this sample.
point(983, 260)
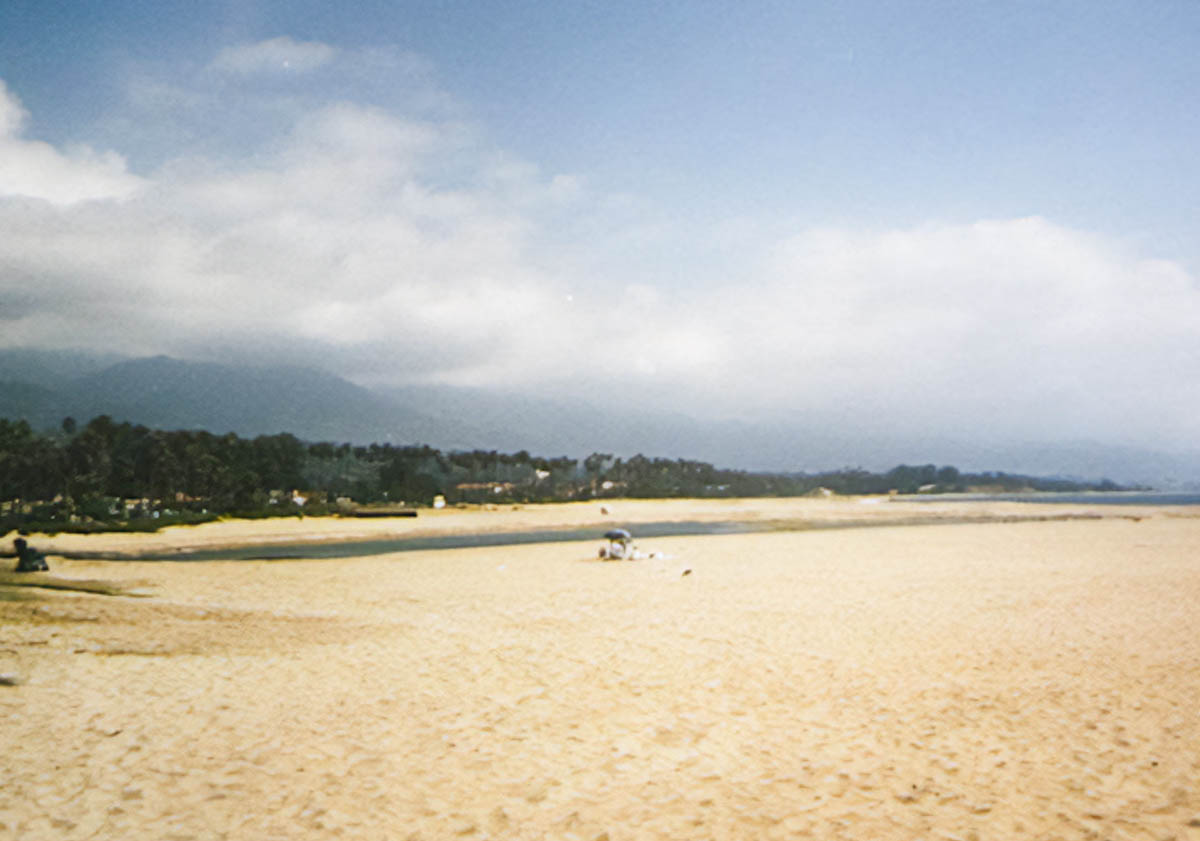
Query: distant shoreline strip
point(326, 550)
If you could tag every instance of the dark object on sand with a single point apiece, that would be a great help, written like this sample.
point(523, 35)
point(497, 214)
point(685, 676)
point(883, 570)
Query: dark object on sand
point(619, 545)
point(28, 558)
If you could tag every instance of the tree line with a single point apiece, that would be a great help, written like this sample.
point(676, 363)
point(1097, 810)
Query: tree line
point(116, 473)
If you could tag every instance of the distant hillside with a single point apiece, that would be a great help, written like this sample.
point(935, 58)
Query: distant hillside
point(44, 387)
point(42, 407)
point(512, 421)
point(51, 368)
point(172, 394)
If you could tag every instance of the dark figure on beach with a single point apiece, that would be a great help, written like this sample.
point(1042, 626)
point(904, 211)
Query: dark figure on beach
point(28, 558)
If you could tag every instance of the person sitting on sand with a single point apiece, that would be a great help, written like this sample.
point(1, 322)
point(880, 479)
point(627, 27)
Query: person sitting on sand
point(28, 558)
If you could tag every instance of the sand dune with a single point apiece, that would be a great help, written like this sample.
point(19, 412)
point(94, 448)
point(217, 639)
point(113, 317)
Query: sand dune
point(1032, 680)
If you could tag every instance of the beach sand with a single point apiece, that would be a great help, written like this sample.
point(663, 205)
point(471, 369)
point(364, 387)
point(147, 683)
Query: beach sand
point(1005, 680)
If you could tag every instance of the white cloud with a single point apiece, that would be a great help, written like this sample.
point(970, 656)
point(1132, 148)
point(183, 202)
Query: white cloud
point(35, 170)
point(12, 114)
point(276, 55)
point(1020, 326)
point(359, 230)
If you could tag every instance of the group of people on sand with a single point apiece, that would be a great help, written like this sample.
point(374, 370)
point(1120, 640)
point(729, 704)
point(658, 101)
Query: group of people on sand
point(28, 558)
point(620, 547)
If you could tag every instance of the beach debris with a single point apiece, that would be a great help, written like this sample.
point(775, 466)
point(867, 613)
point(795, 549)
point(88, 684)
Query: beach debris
point(8, 679)
point(28, 558)
point(687, 571)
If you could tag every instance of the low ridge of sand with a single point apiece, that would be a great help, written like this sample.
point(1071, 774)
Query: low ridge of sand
point(1006, 680)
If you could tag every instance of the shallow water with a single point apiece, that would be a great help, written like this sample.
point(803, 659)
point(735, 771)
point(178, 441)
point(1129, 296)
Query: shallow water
point(360, 548)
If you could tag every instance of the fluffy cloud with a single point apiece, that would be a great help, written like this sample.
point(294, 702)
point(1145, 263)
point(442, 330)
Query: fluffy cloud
point(371, 242)
point(36, 170)
point(391, 247)
point(12, 114)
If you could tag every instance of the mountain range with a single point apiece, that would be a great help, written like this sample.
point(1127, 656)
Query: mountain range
point(44, 387)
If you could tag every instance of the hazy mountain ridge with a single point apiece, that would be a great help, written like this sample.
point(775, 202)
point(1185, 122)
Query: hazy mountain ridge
point(45, 387)
point(36, 404)
point(49, 367)
point(517, 421)
point(174, 394)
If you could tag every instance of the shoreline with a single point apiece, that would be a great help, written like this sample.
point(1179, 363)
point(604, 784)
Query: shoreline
point(571, 521)
point(425, 542)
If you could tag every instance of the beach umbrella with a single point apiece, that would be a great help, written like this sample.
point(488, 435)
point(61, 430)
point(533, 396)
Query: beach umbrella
point(618, 534)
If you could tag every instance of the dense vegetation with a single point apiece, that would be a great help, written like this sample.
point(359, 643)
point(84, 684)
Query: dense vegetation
point(111, 474)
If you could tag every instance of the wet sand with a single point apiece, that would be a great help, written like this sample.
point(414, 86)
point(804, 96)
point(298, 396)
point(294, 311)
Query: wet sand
point(1004, 680)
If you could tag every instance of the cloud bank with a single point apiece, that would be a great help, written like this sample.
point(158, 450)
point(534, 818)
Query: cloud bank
point(394, 244)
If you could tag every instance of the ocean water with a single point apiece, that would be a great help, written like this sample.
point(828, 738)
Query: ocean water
point(1095, 498)
point(355, 548)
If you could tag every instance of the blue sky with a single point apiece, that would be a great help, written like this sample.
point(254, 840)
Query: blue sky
point(938, 215)
point(889, 113)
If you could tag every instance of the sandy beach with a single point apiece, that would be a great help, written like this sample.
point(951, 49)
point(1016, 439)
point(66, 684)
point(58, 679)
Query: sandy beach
point(1036, 679)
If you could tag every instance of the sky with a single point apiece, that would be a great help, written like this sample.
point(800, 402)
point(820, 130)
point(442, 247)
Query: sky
point(969, 219)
